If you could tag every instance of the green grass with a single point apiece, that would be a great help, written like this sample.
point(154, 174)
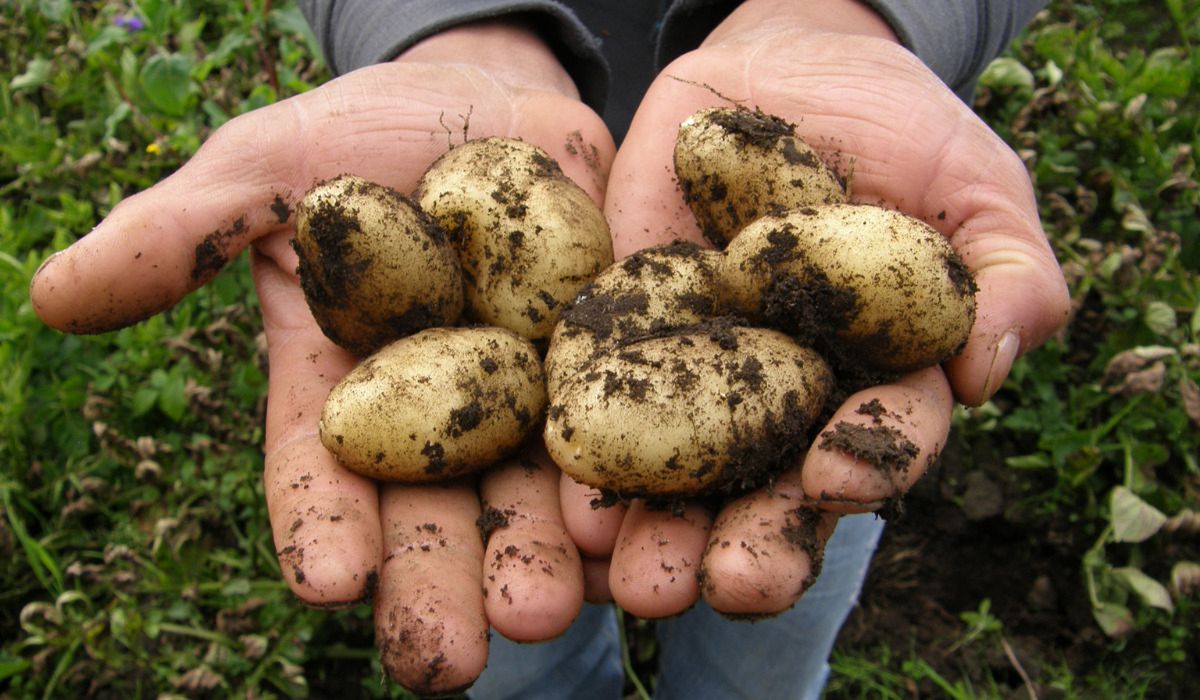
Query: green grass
point(1099, 431)
point(135, 554)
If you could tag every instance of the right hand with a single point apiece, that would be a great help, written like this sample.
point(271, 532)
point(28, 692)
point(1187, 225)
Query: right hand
point(343, 538)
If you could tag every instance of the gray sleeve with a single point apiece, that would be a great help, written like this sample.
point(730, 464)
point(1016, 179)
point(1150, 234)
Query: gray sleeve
point(357, 33)
point(955, 38)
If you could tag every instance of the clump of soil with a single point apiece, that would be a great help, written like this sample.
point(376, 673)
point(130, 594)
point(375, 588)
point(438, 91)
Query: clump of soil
point(490, 520)
point(881, 446)
point(212, 253)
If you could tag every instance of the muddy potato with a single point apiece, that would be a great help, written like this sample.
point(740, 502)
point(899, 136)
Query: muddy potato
point(373, 267)
point(717, 407)
point(528, 238)
point(882, 287)
point(654, 291)
point(435, 405)
point(735, 165)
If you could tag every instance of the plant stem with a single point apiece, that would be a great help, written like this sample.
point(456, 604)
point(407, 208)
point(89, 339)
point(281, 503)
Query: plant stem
point(627, 660)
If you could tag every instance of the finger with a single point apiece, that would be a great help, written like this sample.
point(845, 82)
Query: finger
point(533, 577)
point(657, 557)
point(325, 519)
point(385, 123)
point(595, 580)
point(155, 247)
point(593, 525)
point(765, 550)
point(430, 624)
point(879, 442)
point(592, 522)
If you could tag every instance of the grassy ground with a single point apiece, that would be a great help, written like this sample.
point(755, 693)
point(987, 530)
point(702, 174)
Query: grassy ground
point(135, 556)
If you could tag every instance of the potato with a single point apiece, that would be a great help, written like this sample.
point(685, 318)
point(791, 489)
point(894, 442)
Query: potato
point(653, 291)
point(716, 407)
point(528, 238)
point(881, 287)
point(373, 267)
point(735, 165)
point(438, 404)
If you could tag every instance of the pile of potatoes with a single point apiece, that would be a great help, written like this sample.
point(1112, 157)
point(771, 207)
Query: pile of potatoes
point(447, 296)
point(681, 370)
point(678, 371)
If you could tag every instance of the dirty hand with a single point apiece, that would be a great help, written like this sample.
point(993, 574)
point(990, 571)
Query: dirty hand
point(871, 108)
point(341, 538)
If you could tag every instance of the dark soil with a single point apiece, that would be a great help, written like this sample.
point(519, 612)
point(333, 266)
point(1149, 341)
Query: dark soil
point(962, 540)
point(212, 254)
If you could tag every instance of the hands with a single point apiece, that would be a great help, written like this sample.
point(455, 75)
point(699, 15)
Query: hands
point(341, 538)
point(868, 106)
point(831, 66)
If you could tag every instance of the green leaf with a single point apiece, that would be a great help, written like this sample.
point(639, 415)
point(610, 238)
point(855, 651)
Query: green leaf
point(1134, 218)
point(290, 20)
point(1006, 72)
point(1109, 266)
point(1114, 619)
point(1037, 460)
point(55, 10)
point(167, 81)
point(1133, 519)
point(172, 397)
point(189, 33)
point(230, 44)
point(143, 400)
point(12, 665)
point(119, 114)
point(37, 73)
point(1160, 317)
point(111, 35)
point(157, 15)
point(129, 69)
point(1051, 73)
point(1150, 592)
point(237, 588)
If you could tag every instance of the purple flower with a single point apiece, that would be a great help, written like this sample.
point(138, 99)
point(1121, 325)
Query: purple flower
point(131, 23)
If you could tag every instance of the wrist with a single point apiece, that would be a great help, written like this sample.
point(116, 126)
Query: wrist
point(507, 50)
point(753, 18)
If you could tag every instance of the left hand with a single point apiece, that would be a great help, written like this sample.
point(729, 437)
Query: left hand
point(861, 100)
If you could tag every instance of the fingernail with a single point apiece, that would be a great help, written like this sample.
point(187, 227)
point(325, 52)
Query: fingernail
point(45, 264)
point(1002, 361)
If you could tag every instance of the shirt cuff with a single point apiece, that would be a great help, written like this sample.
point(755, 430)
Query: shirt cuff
point(357, 33)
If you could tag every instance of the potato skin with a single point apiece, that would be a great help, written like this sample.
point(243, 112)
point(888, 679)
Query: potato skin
point(709, 409)
point(880, 287)
point(654, 291)
point(528, 238)
point(438, 404)
point(735, 165)
point(373, 267)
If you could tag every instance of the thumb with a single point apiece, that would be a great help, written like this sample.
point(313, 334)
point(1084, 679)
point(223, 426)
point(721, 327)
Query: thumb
point(161, 244)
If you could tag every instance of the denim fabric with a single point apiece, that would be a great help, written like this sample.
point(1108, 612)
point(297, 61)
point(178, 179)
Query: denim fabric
point(702, 655)
point(583, 663)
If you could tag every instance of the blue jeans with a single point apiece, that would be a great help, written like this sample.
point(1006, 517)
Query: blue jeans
point(701, 654)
